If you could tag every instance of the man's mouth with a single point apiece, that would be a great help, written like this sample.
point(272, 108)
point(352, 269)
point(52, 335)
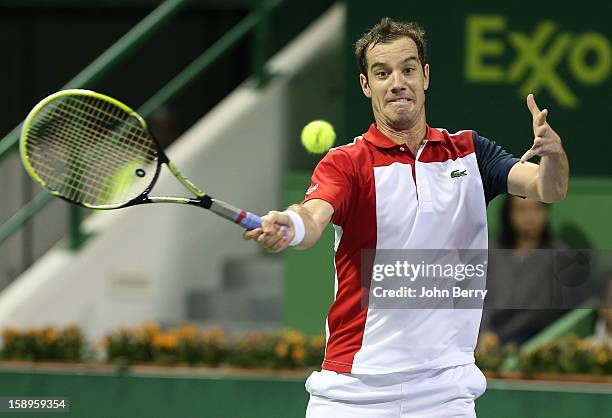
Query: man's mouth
point(400, 100)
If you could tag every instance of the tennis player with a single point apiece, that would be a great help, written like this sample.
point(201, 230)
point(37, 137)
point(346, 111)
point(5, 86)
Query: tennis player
point(405, 185)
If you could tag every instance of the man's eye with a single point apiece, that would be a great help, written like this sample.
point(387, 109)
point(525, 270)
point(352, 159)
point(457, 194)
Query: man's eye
point(381, 74)
point(408, 70)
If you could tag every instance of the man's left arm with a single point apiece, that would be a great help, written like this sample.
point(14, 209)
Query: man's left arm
point(546, 182)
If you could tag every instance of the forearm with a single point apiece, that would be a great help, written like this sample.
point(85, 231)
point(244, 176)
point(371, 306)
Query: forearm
point(553, 176)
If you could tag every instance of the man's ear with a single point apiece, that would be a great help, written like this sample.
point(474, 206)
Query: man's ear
point(365, 86)
point(426, 77)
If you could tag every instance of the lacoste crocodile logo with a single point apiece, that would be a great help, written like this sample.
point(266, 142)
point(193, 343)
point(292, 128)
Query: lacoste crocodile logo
point(312, 189)
point(458, 173)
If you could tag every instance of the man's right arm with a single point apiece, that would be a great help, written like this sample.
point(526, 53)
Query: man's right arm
point(329, 195)
point(277, 229)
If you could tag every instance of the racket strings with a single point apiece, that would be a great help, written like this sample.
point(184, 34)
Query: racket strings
point(62, 135)
point(91, 151)
point(96, 128)
point(78, 167)
point(135, 135)
point(99, 153)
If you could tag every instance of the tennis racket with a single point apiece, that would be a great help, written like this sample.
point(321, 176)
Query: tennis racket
point(96, 152)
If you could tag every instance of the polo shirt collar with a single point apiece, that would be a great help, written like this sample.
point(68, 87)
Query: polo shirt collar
point(374, 136)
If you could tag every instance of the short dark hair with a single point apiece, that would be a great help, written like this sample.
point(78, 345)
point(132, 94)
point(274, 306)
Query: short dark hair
point(386, 31)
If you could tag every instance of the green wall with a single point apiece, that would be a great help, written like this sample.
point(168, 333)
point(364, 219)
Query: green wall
point(94, 395)
point(485, 56)
point(513, 399)
point(309, 275)
point(40, 51)
point(140, 395)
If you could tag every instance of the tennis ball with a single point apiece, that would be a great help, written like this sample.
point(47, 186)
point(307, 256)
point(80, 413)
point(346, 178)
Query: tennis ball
point(117, 184)
point(318, 136)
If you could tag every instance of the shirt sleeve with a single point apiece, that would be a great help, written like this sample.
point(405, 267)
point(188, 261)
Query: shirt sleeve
point(332, 181)
point(494, 164)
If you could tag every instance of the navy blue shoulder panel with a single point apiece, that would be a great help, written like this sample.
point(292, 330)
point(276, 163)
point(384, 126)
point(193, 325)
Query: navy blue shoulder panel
point(494, 164)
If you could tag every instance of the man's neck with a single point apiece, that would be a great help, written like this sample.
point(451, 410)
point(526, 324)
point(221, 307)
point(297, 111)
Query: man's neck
point(412, 136)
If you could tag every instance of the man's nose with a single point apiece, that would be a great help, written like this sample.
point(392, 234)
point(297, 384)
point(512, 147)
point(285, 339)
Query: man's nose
point(399, 82)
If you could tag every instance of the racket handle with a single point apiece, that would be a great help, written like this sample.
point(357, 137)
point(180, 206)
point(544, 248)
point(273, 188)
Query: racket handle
point(245, 219)
point(248, 220)
point(252, 221)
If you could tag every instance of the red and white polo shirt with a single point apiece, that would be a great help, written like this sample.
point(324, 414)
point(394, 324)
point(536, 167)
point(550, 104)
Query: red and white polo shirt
point(384, 197)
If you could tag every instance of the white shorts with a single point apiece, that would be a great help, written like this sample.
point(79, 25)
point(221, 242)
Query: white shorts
point(440, 393)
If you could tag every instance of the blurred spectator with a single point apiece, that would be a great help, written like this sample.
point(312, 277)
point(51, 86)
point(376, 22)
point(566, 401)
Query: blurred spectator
point(603, 326)
point(523, 289)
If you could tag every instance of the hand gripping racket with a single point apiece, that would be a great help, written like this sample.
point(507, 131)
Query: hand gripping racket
point(92, 150)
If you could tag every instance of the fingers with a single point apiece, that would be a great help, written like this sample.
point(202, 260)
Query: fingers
point(275, 233)
point(541, 131)
point(533, 151)
point(533, 107)
point(539, 116)
point(270, 222)
point(528, 156)
point(538, 142)
point(274, 241)
point(252, 234)
point(546, 141)
point(540, 119)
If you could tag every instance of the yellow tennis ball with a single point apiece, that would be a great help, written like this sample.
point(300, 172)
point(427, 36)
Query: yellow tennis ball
point(318, 136)
point(119, 183)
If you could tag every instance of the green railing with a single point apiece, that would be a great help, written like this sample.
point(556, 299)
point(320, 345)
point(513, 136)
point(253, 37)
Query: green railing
point(257, 20)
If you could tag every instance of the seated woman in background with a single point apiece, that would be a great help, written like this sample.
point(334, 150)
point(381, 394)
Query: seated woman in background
point(603, 326)
point(523, 292)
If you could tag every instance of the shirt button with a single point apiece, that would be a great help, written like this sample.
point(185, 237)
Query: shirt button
point(401, 148)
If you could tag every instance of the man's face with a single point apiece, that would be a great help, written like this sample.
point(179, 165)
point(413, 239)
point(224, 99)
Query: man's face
point(396, 83)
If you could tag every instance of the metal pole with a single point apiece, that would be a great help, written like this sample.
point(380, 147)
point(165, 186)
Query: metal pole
point(24, 214)
point(76, 237)
point(216, 50)
point(261, 42)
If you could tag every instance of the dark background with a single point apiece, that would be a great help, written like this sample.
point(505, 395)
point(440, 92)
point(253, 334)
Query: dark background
point(43, 44)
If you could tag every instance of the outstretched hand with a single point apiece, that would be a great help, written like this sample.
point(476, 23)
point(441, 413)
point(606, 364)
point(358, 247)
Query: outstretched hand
point(546, 141)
